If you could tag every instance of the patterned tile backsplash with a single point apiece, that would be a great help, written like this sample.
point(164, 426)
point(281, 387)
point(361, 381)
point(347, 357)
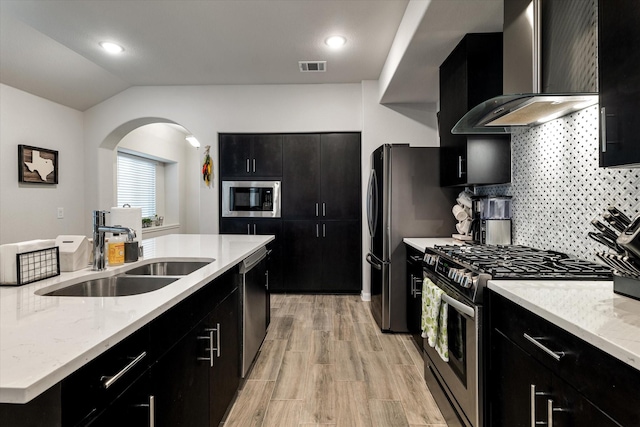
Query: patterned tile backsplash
point(558, 188)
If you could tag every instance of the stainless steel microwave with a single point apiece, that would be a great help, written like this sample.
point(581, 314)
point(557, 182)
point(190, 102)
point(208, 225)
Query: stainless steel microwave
point(251, 199)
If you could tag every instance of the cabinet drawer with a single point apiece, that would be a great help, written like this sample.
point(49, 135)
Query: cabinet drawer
point(602, 379)
point(90, 389)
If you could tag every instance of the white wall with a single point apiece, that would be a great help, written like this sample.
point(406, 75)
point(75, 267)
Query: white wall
point(29, 211)
point(413, 124)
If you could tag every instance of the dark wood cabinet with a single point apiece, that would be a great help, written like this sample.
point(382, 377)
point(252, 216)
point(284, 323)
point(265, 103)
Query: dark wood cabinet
point(471, 74)
point(318, 239)
point(250, 155)
point(322, 256)
point(224, 378)
point(414, 295)
point(571, 383)
point(181, 369)
point(261, 227)
point(619, 81)
point(181, 382)
point(321, 176)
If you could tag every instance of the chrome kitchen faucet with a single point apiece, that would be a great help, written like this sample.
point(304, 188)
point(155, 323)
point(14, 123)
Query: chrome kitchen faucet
point(99, 228)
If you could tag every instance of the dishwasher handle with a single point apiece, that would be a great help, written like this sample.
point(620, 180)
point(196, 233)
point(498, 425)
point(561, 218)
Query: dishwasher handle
point(252, 260)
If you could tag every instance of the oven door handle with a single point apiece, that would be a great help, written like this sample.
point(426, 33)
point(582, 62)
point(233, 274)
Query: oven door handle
point(460, 307)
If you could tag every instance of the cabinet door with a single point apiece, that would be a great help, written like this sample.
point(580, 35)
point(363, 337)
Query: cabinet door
point(341, 256)
point(135, 407)
point(267, 156)
point(181, 382)
point(570, 409)
point(236, 226)
point(414, 295)
point(513, 373)
point(340, 176)
point(301, 176)
point(303, 255)
point(618, 65)
point(275, 257)
point(225, 375)
point(235, 155)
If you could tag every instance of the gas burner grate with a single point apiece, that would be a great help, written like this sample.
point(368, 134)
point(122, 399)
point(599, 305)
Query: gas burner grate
point(523, 262)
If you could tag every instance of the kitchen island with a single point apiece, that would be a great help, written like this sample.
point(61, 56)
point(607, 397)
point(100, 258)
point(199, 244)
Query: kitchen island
point(44, 339)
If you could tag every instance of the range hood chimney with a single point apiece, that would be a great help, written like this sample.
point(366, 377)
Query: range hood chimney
point(523, 104)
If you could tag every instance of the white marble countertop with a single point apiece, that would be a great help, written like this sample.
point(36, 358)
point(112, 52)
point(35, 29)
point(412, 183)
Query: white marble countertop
point(43, 339)
point(588, 309)
point(421, 243)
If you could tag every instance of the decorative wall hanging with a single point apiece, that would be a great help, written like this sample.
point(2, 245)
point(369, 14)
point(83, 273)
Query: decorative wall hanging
point(37, 165)
point(207, 166)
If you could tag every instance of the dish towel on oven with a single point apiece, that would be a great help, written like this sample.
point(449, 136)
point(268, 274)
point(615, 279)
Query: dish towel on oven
point(434, 318)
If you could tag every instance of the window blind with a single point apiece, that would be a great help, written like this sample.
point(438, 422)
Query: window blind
point(137, 183)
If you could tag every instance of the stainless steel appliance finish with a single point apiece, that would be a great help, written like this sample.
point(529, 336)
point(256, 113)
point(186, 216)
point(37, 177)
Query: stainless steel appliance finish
point(404, 199)
point(495, 231)
point(463, 272)
point(251, 199)
point(254, 306)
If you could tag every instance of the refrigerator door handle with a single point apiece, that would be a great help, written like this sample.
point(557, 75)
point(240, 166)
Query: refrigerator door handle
point(372, 203)
point(375, 261)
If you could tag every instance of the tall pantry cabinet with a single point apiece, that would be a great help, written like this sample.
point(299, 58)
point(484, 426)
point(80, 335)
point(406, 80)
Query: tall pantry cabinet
point(319, 245)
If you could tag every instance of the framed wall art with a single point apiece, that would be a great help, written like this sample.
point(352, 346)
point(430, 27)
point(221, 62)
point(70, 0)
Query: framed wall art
point(37, 165)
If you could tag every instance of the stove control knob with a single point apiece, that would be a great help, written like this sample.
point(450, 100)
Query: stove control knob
point(467, 279)
point(462, 275)
point(430, 259)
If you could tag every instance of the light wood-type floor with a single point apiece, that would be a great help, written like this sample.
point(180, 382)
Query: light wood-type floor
point(325, 362)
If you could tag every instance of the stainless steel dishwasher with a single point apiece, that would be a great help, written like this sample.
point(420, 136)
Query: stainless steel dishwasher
point(254, 294)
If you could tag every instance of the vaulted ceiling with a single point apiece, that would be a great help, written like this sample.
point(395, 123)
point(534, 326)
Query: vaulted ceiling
point(50, 48)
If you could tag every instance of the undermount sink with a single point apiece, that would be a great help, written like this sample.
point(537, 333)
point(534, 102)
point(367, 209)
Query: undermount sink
point(114, 286)
point(168, 268)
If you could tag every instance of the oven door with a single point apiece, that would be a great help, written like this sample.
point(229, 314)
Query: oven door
point(457, 380)
point(251, 199)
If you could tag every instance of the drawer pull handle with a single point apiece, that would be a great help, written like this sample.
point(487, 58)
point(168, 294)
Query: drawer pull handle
point(557, 355)
point(109, 381)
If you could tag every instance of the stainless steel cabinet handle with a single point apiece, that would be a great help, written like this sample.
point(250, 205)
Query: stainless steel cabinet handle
point(603, 129)
point(218, 332)
point(324, 209)
point(254, 165)
point(109, 381)
point(324, 230)
point(415, 286)
point(248, 228)
point(459, 166)
point(533, 394)
point(152, 411)
point(254, 229)
point(247, 165)
point(266, 282)
point(316, 209)
point(317, 230)
point(210, 349)
point(557, 355)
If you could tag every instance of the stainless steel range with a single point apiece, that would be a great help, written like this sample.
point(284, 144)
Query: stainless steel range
point(463, 272)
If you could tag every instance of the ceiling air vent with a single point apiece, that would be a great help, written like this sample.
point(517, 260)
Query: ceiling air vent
point(312, 66)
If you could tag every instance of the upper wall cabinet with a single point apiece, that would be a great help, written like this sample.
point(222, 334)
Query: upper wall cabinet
point(471, 74)
point(619, 74)
point(249, 156)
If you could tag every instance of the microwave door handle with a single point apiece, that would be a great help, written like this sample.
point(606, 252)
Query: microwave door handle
point(460, 307)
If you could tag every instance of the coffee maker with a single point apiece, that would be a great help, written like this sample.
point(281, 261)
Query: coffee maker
point(491, 220)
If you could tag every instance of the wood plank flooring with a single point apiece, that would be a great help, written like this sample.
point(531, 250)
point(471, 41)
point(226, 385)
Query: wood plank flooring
point(325, 363)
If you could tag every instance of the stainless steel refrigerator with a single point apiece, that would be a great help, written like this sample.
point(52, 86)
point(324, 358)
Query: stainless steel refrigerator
point(404, 199)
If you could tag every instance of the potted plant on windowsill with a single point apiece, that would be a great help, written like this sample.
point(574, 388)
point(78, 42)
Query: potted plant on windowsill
point(146, 222)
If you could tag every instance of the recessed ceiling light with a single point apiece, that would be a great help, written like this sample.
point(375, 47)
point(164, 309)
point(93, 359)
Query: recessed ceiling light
point(112, 47)
point(335, 41)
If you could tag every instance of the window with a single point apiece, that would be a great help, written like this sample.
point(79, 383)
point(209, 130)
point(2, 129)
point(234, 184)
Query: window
point(137, 183)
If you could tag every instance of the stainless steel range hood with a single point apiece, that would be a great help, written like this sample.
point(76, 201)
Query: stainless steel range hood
point(505, 113)
point(524, 105)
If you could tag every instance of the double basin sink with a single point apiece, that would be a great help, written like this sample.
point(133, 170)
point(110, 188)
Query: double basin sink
point(137, 280)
